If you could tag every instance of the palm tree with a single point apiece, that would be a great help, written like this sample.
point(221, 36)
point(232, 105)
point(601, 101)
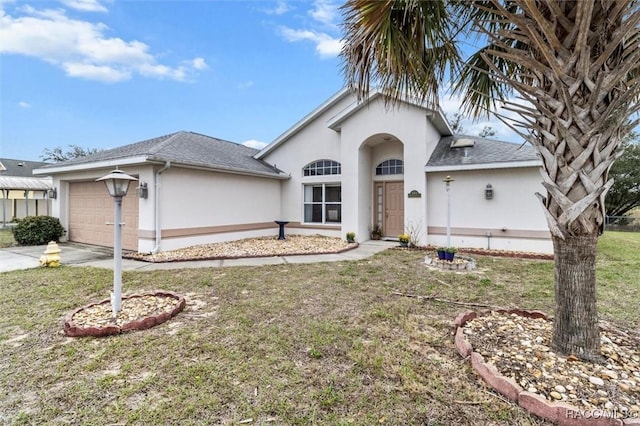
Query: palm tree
point(575, 69)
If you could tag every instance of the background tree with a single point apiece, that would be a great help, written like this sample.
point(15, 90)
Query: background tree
point(56, 154)
point(456, 122)
point(576, 66)
point(487, 132)
point(624, 195)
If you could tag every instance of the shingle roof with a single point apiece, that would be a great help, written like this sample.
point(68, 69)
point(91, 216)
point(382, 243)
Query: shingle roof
point(24, 168)
point(484, 151)
point(186, 148)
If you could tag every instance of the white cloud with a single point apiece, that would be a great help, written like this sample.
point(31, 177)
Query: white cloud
point(255, 144)
point(281, 8)
point(245, 84)
point(85, 5)
point(83, 49)
point(321, 30)
point(199, 64)
point(326, 46)
point(95, 72)
point(324, 12)
point(24, 104)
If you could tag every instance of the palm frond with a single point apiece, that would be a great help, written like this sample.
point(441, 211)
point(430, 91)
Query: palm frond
point(404, 46)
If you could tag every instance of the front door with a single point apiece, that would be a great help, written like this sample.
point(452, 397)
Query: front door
point(393, 209)
point(390, 208)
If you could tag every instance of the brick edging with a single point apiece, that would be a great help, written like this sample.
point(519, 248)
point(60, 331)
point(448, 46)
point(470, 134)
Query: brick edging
point(72, 330)
point(560, 413)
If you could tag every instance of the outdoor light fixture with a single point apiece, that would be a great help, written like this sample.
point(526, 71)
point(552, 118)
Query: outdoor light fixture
point(52, 193)
point(142, 191)
point(447, 180)
point(488, 192)
point(117, 184)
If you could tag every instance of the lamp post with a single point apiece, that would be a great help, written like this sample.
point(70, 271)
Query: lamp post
point(117, 184)
point(447, 182)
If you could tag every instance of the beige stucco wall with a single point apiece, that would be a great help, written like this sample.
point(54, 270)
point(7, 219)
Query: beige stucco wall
point(514, 217)
point(199, 207)
point(418, 137)
point(313, 142)
point(359, 145)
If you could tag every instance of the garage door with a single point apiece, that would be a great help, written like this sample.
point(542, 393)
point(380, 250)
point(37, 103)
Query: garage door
point(91, 208)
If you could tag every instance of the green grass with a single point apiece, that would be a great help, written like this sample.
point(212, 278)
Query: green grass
point(6, 238)
point(282, 344)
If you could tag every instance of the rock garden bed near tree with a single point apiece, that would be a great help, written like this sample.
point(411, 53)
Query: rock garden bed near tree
point(511, 351)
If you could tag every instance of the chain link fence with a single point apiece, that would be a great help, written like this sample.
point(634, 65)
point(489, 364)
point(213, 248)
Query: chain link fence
point(622, 223)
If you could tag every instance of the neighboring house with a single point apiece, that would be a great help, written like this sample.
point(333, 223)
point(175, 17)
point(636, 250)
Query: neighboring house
point(22, 194)
point(347, 166)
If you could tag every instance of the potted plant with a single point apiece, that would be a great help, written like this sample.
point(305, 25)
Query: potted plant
point(351, 237)
point(442, 253)
point(404, 240)
point(376, 232)
point(450, 253)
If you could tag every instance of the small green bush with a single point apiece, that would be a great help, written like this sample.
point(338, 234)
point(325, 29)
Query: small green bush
point(38, 230)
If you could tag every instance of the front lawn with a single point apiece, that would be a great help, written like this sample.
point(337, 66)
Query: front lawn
point(323, 343)
point(6, 238)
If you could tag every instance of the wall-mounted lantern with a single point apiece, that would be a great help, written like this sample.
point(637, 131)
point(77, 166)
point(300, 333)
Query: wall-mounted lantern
point(142, 190)
point(488, 192)
point(52, 193)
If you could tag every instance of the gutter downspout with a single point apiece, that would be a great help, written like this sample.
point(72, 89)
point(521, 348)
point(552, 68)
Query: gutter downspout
point(157, 206)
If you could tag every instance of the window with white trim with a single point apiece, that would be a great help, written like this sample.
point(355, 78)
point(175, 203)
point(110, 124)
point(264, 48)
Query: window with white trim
point(323, 203)
point(322, 168)
point(390, 167)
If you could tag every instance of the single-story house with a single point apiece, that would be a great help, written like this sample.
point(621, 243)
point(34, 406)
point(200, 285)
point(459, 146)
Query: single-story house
point(21, 193)
point(348, 166)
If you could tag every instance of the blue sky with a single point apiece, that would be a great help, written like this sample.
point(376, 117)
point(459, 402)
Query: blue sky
point(105, 73)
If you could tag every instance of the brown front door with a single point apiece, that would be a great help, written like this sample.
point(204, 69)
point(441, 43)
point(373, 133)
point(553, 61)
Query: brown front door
point(393, 209)
point(389, 209)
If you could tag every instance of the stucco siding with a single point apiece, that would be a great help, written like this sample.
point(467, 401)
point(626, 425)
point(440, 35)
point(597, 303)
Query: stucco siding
point(408, 125)
point(193, 198)
point(512, 220)
point(313, 142)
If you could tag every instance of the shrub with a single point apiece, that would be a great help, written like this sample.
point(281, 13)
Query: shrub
point(38, 230)
point(351, 237)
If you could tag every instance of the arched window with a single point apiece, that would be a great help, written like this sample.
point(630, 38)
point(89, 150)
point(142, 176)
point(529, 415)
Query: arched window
point(321, 168)
point(390, 167)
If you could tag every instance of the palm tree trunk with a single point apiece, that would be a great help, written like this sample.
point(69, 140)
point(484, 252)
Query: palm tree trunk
point(576, 330)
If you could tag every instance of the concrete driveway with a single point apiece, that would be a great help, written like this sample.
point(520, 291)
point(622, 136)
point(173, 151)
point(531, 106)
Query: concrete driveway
point(27, 257)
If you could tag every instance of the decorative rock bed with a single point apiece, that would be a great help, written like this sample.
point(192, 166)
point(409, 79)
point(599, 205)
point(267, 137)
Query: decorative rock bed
point(139, 311)
point(563, 390)
point(459, 263)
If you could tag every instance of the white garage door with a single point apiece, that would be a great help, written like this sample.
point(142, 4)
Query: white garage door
point(91, 208)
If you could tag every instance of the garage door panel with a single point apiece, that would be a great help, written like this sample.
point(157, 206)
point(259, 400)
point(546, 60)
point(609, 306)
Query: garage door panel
point(91, 208)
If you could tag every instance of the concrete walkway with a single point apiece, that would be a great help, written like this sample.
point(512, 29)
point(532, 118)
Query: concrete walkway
point(74, 254)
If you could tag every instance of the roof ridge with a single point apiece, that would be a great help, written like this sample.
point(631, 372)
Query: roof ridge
point(156, 148)
point(221, 140)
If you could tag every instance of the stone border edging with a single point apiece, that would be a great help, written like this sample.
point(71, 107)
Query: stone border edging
point(255, 256)
point(72, 330)
point(558, 412)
